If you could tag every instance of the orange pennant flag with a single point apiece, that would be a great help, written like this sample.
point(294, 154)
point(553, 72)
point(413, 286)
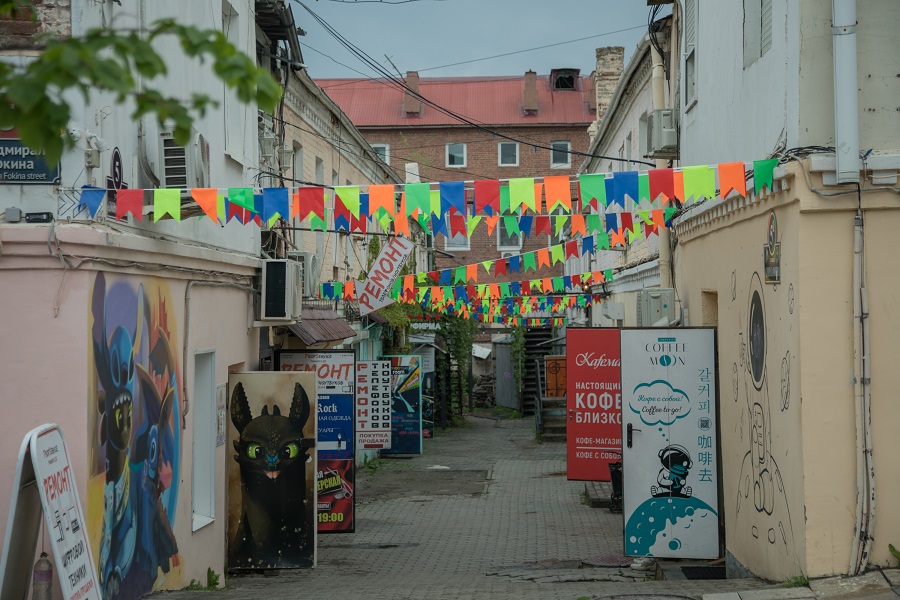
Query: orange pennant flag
point(546, 285)
point(558, 192)
point(409, 283)
point(538, 192)
point(578, 224)
point(382, 196)
point(437, 293)
point(495, 290)
point(207, 199)
point(659, 217)
point(617, 237)
point(348, 290)
point(295, 205)
point(472, 273)
point(598, 277)
point(678, 178)
point(401, 224)
point(491, 223)
point(543, 256)
point(731, 177)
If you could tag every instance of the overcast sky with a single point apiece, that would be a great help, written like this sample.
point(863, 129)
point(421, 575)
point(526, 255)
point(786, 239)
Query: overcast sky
point(419, 35)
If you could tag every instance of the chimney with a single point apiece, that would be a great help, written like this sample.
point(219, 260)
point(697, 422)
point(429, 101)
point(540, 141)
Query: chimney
point(592, 94)
point(411, 104)
point(529, 97)
point(610, 64)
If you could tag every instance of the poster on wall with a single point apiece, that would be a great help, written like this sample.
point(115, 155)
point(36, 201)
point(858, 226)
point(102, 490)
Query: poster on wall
point(428, 379)
point(406, 404)
point(335, 372)
point(671, 502)
point(373, 404)
point(272, 472)
point(135, 435)
point(593, 402)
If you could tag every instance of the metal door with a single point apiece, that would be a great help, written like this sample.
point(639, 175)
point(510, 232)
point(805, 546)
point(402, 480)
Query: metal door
point(669, 450)
point(505, 377)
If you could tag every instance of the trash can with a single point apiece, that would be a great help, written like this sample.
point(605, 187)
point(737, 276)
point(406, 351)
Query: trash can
point(615, 474)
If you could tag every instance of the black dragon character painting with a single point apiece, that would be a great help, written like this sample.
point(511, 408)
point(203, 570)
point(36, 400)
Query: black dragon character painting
point(275, 528)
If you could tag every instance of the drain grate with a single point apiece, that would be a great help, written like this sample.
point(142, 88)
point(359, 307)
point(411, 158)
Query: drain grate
point(704, 572)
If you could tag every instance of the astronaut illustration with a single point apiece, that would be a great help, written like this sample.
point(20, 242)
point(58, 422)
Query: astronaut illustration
point(676, 463)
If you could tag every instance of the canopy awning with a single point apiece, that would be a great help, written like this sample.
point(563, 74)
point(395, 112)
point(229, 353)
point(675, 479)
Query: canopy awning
point(319, 326)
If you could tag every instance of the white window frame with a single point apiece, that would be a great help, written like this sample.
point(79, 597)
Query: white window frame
point(500, 162)
point(203, 463)
point(448, 239)
point(500, 247)
point(692, 23)
point(568, 150)
point(447, 155)
point(387, 151)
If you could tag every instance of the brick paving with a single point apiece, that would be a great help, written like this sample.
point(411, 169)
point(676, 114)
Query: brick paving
point(524, 537)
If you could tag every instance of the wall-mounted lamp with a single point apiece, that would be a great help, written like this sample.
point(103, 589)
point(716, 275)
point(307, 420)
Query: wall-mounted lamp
point(285, 157)
point(267, 145)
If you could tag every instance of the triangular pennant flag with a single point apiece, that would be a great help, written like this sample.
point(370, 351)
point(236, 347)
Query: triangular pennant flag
point(699, 181)
point(487, 197)
point(557, 188)
point(500, 267)
point(578, 224)
point(643, 188)
point(471, 224)
point(543, 257)
point(348, 195)
point(277, 202)
point(166, 202)
point(521, 193)
point(541, 225)
point(401, 223)
point(487, 266)
point(625, 183)
point(504, 200)
point(593, 187)
point(491, 223)
point(617, 238)
point(587, 246)
point(92, 199)
point(453, 195)
point(560, 223)
point(472, 273)
point(132, 201)
point(418, 196)
point(763, 174)
point(528, 261)
point(731, 178)
point(310, 200)
point(208, 200)
point(242, 197)
point(661, 182)
point(556, 254)
point(593, 224)
point(381, 197)
point(385, 220)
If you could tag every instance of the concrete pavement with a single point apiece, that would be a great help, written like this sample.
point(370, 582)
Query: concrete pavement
point(485, 512)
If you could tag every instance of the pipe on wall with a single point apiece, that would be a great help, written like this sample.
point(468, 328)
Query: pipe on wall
point(846, 95)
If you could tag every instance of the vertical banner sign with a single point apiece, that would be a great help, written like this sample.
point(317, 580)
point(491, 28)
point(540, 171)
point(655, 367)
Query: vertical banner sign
point(335, 382)
point(671, 488)
point(428, 380)
point(272, 477)
point(44, 464)
point(406, 405)
point(373, 404)
point(593, 403)
point(375, 291)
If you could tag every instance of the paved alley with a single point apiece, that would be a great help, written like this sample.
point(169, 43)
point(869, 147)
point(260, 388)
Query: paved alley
point(485, 512)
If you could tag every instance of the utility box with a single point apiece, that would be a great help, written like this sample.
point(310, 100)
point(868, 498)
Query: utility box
point(656, 307)
point(662, 134)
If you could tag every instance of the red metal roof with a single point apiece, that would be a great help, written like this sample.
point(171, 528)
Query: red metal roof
point(488, 100)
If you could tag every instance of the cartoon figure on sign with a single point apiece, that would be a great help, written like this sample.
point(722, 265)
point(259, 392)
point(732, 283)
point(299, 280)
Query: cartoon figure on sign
point(676, 462)
point(272, 454)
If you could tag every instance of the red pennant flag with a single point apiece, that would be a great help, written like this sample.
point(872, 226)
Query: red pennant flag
point(458, 225)
point(571, 249)
point(471, 290)
point(627, 222)
point(541, 225)
point(435, 276)
point(500, 267)
point(487, 193)
point(661, 182)
point(129, 201)
point(311, 200)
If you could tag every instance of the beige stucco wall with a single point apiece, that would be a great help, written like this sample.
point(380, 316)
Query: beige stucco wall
point(719, 276)
point(805, 393)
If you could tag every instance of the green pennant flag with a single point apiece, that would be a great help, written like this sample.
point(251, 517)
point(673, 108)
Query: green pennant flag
point(528, 262)
point(242, 197)
point(349, 196)
point(699, 180)
point(436, 203)
point(504, 290)
point(511, 224)
point(421, 293)
point(535, 284)
point(167, 202)
point(521, 194)
point(384, 219)
point(763, 173)
point(220, 207)
point(504, 199)
point(670, 211)
point(593, 224)
point(338, 289)
point(418, 195)
point(487, 266)
point(556, 254)
point(448, 292)
point(645, 216)
point(459, 275)
point(644, 187)
point(593, 185)
point(603, 241)
point(637, 234)
point(420, 277)
point(317, 224)
point(608, 275)
point(397, 288)
point(581, 301)
point(560, 223)
point(425, 222)
point(482, 290)
point(472, 223)
point(558, 284)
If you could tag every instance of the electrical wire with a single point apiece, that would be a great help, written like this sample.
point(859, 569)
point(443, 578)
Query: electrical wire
point(400, 85)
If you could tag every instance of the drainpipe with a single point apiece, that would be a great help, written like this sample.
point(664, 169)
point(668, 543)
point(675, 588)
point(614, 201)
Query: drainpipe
point(658, 82)
point(141, 147)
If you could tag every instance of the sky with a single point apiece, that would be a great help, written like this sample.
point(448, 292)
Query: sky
point(419, 35)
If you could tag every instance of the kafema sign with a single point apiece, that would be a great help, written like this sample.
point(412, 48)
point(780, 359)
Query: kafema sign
point(375, 291)
point(593, 403)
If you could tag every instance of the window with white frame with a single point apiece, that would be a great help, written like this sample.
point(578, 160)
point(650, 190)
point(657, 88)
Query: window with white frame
point(757, 29)
point(458, 242)
point(320, 171)
point(456, 154)
point(691, 22)
point(203, 409)
point(508, 154)
point(505, 240)
point(383, 151)
point(297, 166)
point(560, 155)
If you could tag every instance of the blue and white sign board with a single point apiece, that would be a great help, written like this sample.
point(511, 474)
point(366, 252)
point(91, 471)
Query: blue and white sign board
point(670, 460)
point(45, 483)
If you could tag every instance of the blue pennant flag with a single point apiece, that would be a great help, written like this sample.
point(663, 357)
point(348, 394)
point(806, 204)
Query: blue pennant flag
point(516, 288)
point(445, 277)
point(612, 222)
point(364, 206)
point(587, 245)
point(275, 201)
point(610, 190)
point(625, 182)
point(515, 264)
point(525, 225)
point(439, 225)
point(91, 199)
point(453, 194)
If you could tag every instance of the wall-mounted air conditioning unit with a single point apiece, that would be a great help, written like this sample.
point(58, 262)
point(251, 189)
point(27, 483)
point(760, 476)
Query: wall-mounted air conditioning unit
point(662, 134)
point(183, 167)
point(655, 307)
point(310, 268)
point(282, 290)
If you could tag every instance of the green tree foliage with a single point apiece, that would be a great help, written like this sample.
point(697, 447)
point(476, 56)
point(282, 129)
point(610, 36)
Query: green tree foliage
point(112, 61)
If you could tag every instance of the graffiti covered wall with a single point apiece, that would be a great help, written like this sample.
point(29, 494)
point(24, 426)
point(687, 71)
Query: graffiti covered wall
point(135, 435)
point(728, 277)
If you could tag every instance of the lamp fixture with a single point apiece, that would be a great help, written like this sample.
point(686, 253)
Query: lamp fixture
point(285, 157)
point(267, 145)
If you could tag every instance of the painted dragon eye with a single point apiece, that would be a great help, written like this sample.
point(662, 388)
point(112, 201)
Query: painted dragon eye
point(292, 450)
point(253, 451)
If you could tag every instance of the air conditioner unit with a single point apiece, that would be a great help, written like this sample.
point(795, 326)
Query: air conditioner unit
point(282, 290)
point(656, 307)
point(507, 254)
point(662, 134)
point(310, 267)
point(183, 167)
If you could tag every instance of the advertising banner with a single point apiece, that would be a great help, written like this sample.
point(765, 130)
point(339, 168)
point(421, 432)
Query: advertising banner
point(406, 405)
point(593, 403)
point(670, 455)
point(271, 481)
point(373, 404)
point(335, 372)
point(375, 291)
point(428, 381)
